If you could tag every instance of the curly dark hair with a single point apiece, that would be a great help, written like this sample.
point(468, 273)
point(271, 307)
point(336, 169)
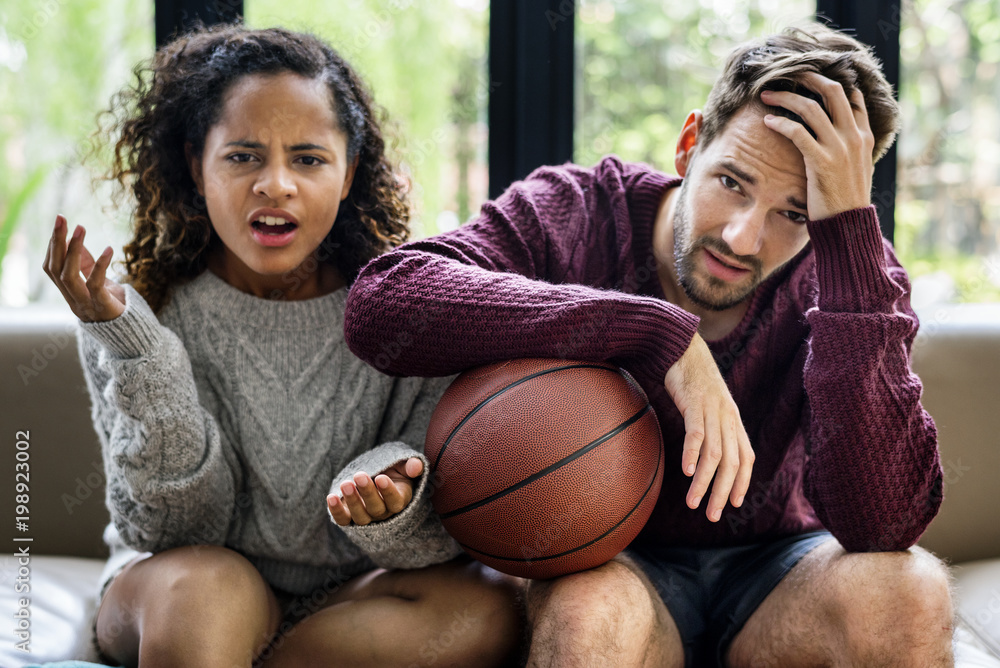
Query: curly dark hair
point(176, 98)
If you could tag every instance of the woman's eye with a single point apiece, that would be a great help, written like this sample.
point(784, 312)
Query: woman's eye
point(240, 157)
point(311, 160)
point(730, 183)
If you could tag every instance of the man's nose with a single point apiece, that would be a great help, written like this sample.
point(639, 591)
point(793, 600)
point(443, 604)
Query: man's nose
point(745, 232)
point(275, 181)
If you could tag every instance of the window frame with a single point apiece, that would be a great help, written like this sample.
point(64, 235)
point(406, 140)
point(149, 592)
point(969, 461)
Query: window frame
point(531, 69)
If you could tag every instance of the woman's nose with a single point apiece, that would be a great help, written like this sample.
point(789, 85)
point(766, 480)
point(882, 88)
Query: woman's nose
point(276, 181)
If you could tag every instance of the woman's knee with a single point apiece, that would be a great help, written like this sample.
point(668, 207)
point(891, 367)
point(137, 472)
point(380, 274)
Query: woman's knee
point(205, 572)
point(187, 591)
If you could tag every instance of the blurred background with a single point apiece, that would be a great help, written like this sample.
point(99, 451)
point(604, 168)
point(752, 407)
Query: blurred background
point(638, 67)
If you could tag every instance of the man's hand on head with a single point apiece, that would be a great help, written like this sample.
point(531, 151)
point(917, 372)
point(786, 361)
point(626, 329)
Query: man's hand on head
point(839, 159)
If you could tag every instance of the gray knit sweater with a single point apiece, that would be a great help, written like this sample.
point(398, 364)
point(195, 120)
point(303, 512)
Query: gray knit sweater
point(229, 419)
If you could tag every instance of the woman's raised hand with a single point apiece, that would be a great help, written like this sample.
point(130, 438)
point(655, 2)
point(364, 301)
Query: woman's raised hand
point(83, 281)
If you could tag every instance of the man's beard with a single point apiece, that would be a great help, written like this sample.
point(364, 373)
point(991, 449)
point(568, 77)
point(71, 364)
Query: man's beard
point(709, 292)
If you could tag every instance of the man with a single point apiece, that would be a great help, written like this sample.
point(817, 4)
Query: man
point(770, 324)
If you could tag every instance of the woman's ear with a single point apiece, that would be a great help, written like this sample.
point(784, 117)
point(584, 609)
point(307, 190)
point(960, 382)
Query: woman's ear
point(349, 177)
point(194, 166)
point(687, 142)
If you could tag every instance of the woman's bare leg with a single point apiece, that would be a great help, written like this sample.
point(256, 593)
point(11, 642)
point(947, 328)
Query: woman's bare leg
point(189, 606)
point(456, 614)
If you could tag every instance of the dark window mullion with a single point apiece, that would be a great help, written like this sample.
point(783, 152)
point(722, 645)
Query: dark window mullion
point(876, 23)
point(531, 87)
point(176, 16)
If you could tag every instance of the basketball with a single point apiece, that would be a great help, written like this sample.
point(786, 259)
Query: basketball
point(543, 467)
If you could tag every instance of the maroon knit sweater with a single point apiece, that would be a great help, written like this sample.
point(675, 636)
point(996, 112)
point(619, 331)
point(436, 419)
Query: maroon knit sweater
point(562, 266)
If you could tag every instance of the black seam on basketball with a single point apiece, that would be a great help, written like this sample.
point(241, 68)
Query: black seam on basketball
point(437, 460)
point(551, 467)
point(659, 456)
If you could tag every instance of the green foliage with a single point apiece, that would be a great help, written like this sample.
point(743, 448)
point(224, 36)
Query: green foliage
point(59, 63)
point(14, 208)
point(948, 218)
point(975, 278)
point(647, 63)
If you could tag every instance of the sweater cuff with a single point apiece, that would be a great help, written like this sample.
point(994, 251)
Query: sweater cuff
point(380, 537)
point(659, 341)
point(135, 333)
point(850, 263)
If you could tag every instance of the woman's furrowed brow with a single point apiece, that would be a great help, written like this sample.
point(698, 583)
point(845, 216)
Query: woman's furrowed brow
point(245, 143)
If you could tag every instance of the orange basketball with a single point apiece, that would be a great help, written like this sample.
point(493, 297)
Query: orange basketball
point(543, 467)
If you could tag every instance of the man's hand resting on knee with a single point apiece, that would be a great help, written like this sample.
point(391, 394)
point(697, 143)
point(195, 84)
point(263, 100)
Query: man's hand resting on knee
point(364, 500)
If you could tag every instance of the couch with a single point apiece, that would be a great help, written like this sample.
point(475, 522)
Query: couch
point(42, 393)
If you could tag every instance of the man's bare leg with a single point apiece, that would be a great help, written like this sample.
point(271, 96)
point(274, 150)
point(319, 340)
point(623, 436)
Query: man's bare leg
point(835, 608)
point(455, 614)
point(608, 616)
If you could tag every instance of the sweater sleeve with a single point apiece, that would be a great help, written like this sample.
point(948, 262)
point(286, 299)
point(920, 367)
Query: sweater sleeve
point(415, 537)
point(533, 276)
point(168, 483)
point(874, 474)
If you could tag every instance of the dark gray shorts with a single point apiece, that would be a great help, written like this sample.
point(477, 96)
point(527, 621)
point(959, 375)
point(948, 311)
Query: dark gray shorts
point(711, 593)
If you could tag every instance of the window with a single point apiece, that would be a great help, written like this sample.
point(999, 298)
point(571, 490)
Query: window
point(644, 64)
point(59, 64)
point(948, 206)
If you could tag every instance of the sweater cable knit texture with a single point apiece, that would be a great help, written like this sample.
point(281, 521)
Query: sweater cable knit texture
point(228, 421)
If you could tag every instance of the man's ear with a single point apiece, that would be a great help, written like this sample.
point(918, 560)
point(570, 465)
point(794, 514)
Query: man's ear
point(349, 177)
point(687, 141)
point(194, 166)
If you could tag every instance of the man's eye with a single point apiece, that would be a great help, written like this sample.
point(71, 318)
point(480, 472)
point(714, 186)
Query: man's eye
point(730, 183)
point(797, 217)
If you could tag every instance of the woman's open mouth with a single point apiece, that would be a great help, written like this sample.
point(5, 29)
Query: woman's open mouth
point(273, 231)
